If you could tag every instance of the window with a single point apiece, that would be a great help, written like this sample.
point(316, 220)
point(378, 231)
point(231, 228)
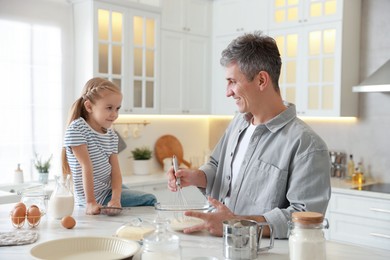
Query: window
point(30, 100)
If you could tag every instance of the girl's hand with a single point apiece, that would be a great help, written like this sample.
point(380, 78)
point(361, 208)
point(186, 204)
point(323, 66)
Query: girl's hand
point(93, 209)
point(114, 203)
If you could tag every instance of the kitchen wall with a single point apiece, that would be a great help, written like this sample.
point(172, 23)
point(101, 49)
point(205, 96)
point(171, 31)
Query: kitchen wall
point(192, 132)
point(368, 138)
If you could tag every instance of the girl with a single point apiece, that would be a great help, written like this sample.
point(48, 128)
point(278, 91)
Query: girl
point(91, 150)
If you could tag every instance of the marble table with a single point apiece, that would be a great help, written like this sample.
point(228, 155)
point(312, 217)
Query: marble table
point(193, 245)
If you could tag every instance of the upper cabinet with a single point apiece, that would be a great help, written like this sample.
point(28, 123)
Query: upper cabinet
point(231, 18)
point(188, 16)
point(292, 13)
point(319, 45)
point(239, 16)
point(185, 57)
point(119, 43)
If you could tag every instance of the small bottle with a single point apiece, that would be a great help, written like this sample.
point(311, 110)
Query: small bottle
point(18, 175)
point(306, 236)
point(358, 176)
point(361, 178)
point(351, 167)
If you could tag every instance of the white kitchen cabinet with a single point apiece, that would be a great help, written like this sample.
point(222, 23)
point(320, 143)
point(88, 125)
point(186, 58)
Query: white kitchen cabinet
point(220, 103)
point(320, 60)
point(292, 13)
point(185, 80)
point(231, 18)
point(359, 219)
point(187, 16)
point(120, 43)
point(239, 16)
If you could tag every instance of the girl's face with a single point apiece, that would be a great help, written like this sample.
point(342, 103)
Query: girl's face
point(104, 112)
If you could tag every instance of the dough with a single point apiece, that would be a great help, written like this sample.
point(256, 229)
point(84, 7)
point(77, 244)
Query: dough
point(133, 233)
point(185, 222)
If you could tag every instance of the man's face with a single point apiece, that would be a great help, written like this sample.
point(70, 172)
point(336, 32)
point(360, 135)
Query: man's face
point(238, 87)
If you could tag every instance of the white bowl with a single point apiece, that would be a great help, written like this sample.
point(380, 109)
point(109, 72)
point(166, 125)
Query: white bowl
point(81, 248)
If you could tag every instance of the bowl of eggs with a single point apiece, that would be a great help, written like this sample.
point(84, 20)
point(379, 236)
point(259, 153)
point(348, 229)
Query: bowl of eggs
point(21, 214)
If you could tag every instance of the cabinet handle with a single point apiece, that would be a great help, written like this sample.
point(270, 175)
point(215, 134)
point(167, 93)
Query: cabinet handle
point(380, 210)
point(380, 235)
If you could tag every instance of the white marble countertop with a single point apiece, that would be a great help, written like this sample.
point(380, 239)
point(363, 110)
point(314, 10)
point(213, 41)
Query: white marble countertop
point(194, 245)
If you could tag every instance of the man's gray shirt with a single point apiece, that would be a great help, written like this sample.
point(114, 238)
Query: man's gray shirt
point(286, 168)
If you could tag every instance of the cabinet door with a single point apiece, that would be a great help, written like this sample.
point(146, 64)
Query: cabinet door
point(220, 103)
point(143, 67)
point(172, 72)
point(188, 16)
point(173, 16)
point(310, 76)
point(197, 81)
point(322, 66)
point(239, 16)
point(198, 14)
point(291, 13)
point(184, 75)
point(288, 42)
point(110, 44)
point(126, 50)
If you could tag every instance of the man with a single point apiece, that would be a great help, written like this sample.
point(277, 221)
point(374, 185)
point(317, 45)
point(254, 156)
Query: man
point(268, 163)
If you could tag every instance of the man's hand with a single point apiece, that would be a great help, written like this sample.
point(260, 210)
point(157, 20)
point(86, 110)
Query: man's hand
point(212, 220)
point(187, 177)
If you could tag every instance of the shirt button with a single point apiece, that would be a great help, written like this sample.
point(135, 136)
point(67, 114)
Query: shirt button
point(228, 177)
point(231, 154)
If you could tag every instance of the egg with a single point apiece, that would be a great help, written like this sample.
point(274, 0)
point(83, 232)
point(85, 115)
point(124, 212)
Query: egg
point(33, 215)
point(18, 216)
point(68, 222)
point(21, 204)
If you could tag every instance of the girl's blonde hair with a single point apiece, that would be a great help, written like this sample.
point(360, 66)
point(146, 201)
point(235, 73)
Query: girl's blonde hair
point(92, 92)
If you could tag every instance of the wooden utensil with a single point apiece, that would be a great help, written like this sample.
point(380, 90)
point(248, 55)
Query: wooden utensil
point(168, 145)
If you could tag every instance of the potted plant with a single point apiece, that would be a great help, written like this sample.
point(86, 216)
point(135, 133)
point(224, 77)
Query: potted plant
point(43, 167)
point(141, 160)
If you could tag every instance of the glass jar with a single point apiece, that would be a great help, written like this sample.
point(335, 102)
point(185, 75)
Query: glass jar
point(61, 201)
point(35, 195)
point(161, 244)
point(306, 236)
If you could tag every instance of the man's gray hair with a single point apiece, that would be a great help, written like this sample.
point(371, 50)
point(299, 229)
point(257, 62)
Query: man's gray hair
point(254, 52)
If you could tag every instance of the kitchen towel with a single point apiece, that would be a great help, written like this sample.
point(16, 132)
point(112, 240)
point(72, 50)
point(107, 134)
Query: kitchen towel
point(16, 238)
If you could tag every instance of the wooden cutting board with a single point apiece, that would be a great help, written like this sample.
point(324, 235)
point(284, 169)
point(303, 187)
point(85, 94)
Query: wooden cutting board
point(168, 145)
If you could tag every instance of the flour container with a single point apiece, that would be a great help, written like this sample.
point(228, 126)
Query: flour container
point(61, 202)
point(306, 236)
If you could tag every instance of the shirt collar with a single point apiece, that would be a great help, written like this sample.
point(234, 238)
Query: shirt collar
point(278, 121)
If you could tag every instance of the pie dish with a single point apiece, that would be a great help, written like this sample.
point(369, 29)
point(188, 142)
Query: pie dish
point(81, 248)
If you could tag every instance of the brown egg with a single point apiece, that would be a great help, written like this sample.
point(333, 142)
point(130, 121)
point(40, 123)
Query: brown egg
point(21, 204)
point(33, 215)
point(68, 222)
point(18, 216)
